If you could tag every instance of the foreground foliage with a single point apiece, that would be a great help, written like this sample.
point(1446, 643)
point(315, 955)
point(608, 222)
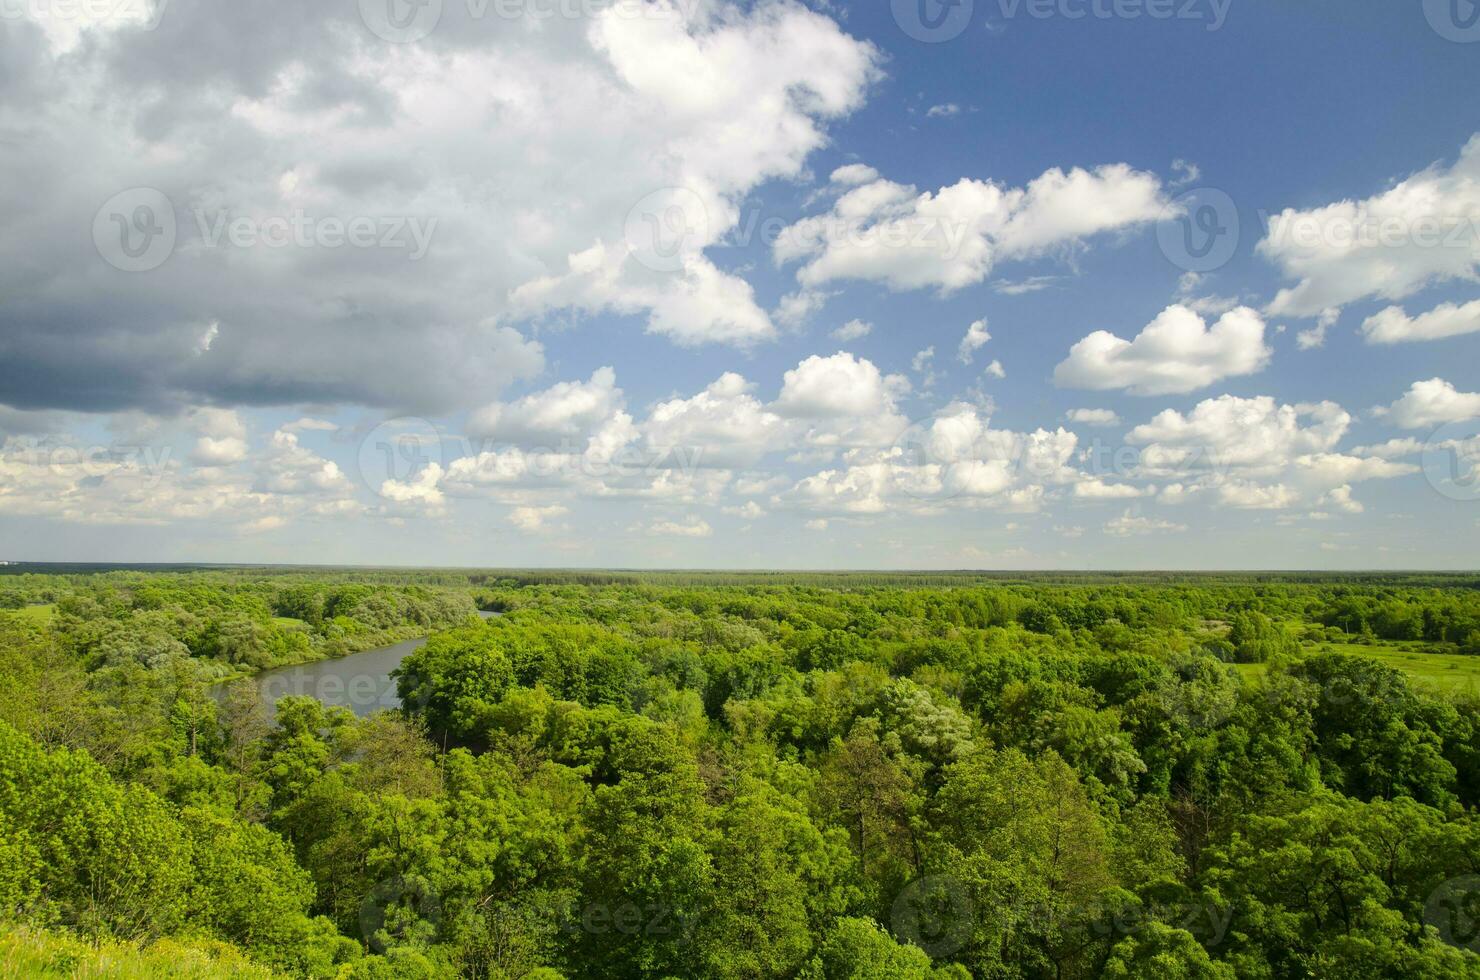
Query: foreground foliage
point(29, 953)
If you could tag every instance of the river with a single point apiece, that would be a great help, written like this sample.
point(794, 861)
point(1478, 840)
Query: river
point(360, 682)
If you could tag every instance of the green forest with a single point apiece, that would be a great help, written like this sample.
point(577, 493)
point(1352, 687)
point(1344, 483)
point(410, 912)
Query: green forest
point(742, 776)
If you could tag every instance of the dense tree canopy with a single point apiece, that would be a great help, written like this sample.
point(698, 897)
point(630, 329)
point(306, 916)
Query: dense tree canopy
point(688, 776)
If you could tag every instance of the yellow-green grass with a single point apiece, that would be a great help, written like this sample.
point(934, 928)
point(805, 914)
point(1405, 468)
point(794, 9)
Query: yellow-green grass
point(1450, 671)
point(27, 953)
point(1250, 672)
point(288, 621)
point(40, 614)
point(1425, 668)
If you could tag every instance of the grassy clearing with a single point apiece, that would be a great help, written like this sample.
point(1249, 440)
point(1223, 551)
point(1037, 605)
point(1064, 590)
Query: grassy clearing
point(1251, 672)
point(39, 614)
point(1441, 671)
point(1448, 671)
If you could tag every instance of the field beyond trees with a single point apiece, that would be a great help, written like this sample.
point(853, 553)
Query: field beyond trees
point(742, 775)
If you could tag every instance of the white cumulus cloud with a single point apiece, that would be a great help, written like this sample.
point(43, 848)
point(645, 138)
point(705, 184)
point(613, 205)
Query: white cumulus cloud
point(852, 330)
point(886, 232)
point(1176, 353)
point(1394, 326)
point(1093, 416)
point(690, 527)
point(976, 338)
point(1432, 402)
point(1422, 230)
point(566, 411)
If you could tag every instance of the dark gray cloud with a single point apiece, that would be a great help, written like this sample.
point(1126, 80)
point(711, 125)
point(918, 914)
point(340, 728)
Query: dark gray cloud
point(267, 203)
point(225, 318)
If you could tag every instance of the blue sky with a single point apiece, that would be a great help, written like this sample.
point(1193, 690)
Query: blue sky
point(195, 364)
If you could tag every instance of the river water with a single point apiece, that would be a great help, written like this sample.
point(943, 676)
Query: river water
point(360, 682)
